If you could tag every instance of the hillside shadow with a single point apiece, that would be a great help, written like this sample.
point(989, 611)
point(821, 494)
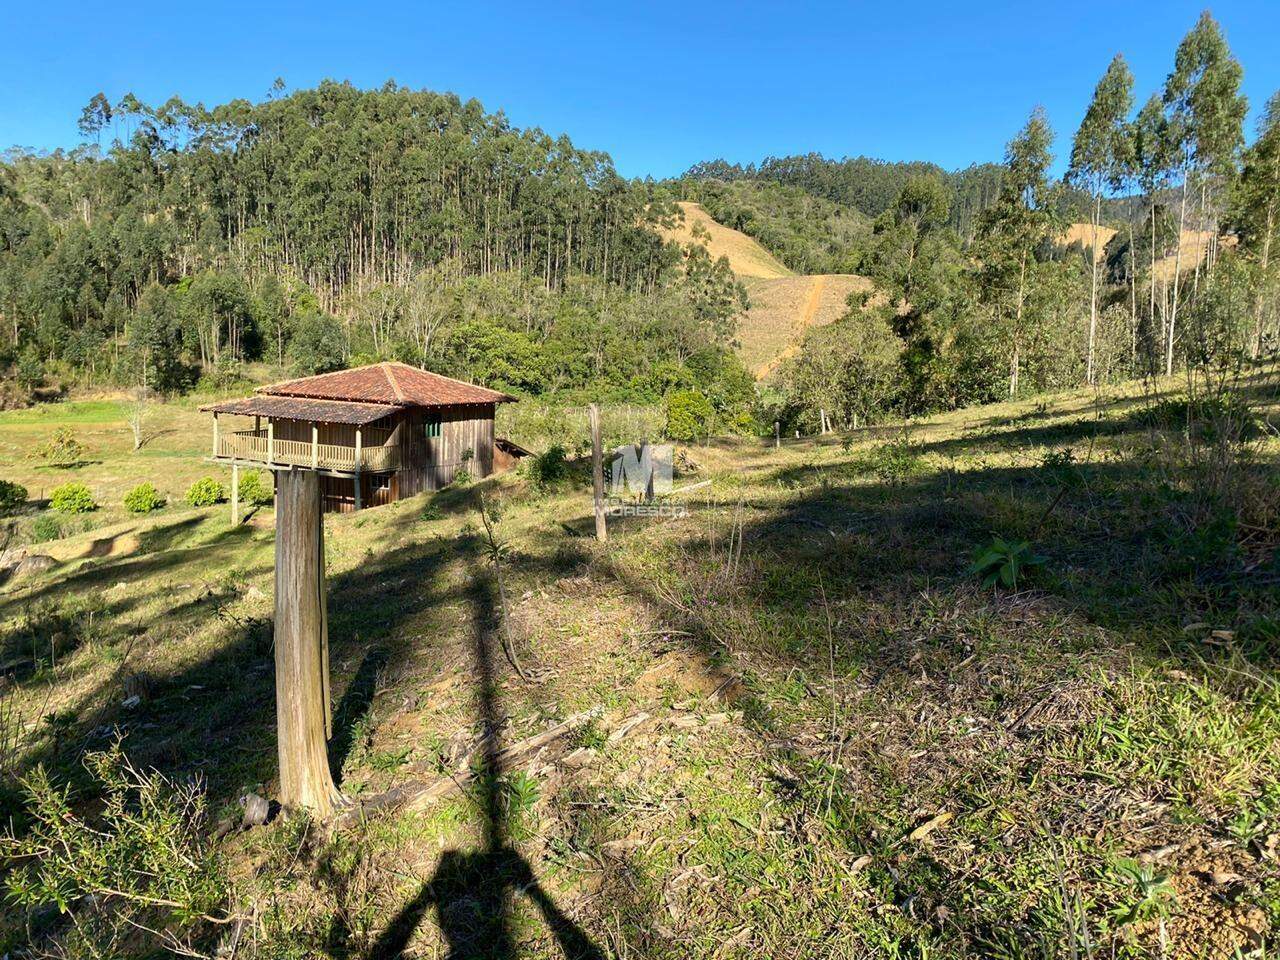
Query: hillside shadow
point(214, 716)
point(472, 891)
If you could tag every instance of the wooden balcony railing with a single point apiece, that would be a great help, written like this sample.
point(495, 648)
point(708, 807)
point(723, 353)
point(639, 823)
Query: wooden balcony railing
point(252, 445)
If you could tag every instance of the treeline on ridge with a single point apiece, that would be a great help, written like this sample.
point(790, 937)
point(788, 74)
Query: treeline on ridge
point(335, 225)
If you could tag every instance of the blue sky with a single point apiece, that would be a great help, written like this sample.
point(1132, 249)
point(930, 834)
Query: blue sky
point(657, 85)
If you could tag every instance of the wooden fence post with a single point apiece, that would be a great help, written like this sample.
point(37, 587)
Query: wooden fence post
point(597, 473)
point(301, 640)
point(235, 493)
point(777, 434)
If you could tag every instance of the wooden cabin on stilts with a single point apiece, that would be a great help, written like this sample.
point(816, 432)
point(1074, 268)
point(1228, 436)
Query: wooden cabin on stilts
point(338, 442)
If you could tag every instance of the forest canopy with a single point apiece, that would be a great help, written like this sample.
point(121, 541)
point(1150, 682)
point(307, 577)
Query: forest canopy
point(336, 225)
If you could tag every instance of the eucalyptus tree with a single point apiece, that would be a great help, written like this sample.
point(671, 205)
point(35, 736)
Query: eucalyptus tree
point(1206, 113)
point(1152, 158)
point(1099, 158)
point(1257, 218)
point(1020, 222)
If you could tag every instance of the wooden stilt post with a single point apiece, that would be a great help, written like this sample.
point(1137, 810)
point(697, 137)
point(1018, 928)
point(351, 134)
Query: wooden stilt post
point(357, 480)
point(777, 434)
point(597, 474)
point(302, 718)
point(648, 480)
point(215, 433)
point(235, 493)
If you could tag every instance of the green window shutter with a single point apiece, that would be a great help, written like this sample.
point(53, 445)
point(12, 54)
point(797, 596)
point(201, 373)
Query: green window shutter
point(432, 427)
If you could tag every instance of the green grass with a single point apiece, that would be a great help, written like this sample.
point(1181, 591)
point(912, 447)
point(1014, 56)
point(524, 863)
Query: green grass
point(847, 745)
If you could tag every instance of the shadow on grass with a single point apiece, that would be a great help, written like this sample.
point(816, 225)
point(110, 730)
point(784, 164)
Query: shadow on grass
point(472, 891)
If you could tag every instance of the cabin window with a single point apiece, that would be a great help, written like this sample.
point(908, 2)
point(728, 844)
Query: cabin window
point(381, 482)
point(432, 427)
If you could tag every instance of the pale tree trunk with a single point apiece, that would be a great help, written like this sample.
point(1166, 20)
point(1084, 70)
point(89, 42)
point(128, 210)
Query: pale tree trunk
point(1093, 292)
point(1015, 359)
point(1265, 265)
point(1133, 297)
point(1152, 271)
point(1177, 271)
point(303, 721)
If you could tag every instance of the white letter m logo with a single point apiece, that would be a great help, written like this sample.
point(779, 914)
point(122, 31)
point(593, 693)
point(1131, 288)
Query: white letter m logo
point(644, 471)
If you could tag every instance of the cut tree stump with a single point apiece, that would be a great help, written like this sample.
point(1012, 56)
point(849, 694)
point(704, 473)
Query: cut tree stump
point(301, 635)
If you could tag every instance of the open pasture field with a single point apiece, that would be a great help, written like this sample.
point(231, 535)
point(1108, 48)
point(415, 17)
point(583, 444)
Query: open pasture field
point(794, 723)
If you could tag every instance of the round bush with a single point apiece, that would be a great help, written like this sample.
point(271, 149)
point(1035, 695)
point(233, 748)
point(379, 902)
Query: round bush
point(12, 495)
point(255, 489)
point(688, 414)
point(62, 449)
point(46, 528)
point(143, 499)
point(205, 492)
point(72, 497)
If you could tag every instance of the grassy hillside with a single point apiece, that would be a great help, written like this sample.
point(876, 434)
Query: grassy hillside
point(808, 233)
point(781, 310)
point(746, 257)
point(792, 723)
point(782, 305)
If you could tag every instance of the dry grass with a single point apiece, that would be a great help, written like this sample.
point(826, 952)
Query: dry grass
point(783, 305)
point(746, 257)
point(781, 311)
point(1194, 244)
point(815, 735)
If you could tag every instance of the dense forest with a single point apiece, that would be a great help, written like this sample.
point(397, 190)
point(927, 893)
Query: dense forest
point(333, 226)
point(864, 184)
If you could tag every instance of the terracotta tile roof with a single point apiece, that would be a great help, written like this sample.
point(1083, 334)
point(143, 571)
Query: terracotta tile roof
point(299, 408)
point(393, 383)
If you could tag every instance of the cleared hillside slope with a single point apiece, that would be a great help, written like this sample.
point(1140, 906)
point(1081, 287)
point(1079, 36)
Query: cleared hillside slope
point(783, 304)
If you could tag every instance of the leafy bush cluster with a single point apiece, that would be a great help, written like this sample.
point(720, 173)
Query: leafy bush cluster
point(548, 470)
point(73, 497)
point(12, 496)
point(689, 415)
point(205, 492)
point(255, 489)
point(143, 499)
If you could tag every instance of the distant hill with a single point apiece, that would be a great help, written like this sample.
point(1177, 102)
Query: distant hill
point(783, 305)
point(1195, 244)
point(746, 257)
point(781, 311)
point(808, 233)
point(864, 183)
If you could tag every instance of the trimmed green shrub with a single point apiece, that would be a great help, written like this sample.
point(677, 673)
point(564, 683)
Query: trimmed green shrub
point(256, 489)
point(72, 497)
point(143, 499)
point(12, 495)
point(205, 492)
point(46, 528)
point(688, 415)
